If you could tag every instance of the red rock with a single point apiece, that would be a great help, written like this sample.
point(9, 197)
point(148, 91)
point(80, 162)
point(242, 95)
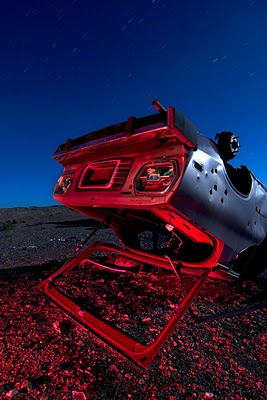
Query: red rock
point(208, 395)
point(78, 395)
point(12, 393)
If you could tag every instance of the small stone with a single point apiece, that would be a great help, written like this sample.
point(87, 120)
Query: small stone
point(56, 327)
point(26, 384)
point(208, 395)
point(78, 395)
point(113, 368)
point(12, 393)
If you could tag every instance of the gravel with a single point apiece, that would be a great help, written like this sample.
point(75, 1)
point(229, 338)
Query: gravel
point(45, 356)
point(37, 235)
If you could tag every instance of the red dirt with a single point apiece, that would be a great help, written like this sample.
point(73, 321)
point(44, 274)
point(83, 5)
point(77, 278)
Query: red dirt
point(44, 356)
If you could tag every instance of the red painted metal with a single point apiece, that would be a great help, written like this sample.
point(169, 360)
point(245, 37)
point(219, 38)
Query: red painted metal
point(140, 354)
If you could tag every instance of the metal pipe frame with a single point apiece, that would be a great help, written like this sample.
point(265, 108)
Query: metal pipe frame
point(140, 354)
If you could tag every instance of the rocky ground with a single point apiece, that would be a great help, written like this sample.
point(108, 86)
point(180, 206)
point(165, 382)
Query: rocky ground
point(45, 356)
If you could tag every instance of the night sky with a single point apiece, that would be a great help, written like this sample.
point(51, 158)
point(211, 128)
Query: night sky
point(70, 67)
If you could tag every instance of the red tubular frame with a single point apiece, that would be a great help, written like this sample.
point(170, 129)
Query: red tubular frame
point(140, 354)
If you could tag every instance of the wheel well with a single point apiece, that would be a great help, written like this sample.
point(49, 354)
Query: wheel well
point(257, 262)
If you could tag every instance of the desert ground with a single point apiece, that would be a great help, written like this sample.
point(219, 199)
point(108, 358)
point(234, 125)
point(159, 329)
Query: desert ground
point(45, 356)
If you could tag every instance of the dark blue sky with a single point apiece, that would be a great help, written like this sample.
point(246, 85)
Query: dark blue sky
point(69, 67)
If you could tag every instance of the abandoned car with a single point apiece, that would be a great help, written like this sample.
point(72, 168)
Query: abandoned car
point(157, 177)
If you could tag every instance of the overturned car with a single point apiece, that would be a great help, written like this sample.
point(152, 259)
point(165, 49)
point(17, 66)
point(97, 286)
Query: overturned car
point(174, 202)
